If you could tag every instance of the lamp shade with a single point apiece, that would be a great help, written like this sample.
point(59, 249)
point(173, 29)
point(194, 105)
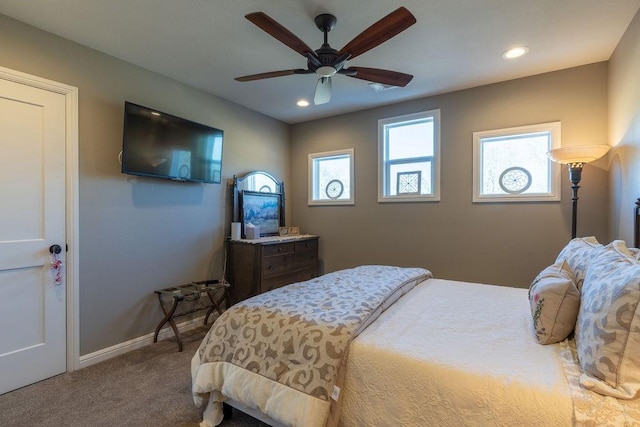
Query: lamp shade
point(578, 153)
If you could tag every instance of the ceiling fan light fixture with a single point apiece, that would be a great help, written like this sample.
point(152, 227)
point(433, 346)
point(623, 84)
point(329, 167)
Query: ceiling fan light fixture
point(323, 91)
point(325, 71)
point(379, 87)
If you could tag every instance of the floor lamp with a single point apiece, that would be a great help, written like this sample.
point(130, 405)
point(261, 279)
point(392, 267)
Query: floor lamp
point(576, 157)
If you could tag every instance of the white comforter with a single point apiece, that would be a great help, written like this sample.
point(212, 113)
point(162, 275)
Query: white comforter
point(446, 354)
point(455, 354)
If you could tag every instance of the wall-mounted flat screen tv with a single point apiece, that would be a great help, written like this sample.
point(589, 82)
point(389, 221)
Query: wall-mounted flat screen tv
point(160, 145)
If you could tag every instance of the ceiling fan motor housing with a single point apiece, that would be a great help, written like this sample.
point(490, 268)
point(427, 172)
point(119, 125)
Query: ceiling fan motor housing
point(326, 64)
point(325, 22)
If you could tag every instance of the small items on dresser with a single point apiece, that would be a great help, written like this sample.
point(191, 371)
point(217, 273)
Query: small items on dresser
point(251, 231)
point(236, 231)
point(289, 231)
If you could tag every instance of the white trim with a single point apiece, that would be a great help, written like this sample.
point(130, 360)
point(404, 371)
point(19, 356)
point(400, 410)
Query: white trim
point(435, 182)
point(352, 193)
point(71, 206)
point(554, 169)
point(136, 343)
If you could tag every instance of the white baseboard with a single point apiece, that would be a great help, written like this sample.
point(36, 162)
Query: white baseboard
point(136, 343)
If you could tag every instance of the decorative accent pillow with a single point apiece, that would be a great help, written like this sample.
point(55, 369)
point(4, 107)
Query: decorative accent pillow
point(555, 301)
point(577, 253)
point(608, 327)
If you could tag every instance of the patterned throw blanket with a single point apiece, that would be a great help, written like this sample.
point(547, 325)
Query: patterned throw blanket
point(299, 335)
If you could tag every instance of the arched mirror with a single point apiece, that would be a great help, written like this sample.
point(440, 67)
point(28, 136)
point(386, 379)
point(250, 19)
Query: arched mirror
point(255, 190)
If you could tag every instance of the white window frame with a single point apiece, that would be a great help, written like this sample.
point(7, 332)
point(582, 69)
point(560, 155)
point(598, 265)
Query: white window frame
point(383, 178)
point(312, 179)
point(554, 128)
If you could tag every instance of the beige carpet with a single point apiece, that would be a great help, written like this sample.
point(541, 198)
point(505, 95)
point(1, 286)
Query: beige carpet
point(146, 387)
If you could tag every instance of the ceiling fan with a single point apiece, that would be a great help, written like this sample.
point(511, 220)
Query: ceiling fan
point(326, 61)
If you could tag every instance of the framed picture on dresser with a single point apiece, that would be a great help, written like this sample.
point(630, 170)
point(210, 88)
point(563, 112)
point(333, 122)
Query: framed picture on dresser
point(262, 210)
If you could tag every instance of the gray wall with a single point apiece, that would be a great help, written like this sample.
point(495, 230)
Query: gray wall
point(624, 131)
point(454, 238)
point(140, 234)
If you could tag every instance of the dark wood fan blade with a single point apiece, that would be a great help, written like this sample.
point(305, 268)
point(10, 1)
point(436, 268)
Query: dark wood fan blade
point(378, 33)
point(387, 77)
point(273, 28)
point(268, 75)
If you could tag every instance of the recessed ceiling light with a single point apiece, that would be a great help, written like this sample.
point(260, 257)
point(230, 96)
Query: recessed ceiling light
point(515, 52)
point(302, 103)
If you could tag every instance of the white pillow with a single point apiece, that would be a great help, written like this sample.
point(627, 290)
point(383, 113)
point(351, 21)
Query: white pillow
point(577, 253)
point(555, 301)
point(608, 327)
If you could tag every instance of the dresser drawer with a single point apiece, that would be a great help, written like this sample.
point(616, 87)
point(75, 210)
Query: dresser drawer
point(277, 264)
point(305, 259)
point(281, 248)
point(306, 274)
point(306, 245)
point(286, 279)
point(276, 282)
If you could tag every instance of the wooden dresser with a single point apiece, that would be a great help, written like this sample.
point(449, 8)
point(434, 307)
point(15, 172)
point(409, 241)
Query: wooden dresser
point(257, 266)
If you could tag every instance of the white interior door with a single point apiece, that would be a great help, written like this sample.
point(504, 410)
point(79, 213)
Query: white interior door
point(32, 218)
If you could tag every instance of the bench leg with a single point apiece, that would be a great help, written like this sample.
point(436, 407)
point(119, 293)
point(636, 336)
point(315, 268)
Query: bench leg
point(215, 304)
point(168, 317)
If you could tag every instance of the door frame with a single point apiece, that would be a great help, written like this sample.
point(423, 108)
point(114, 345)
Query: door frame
point(71, 203)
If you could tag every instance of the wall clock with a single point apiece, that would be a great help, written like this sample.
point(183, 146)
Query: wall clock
point(334, 189)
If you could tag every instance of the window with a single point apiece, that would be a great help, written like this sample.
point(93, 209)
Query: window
point(331, 178)
point(511, 165)
point(409, 158)
point(262, 182)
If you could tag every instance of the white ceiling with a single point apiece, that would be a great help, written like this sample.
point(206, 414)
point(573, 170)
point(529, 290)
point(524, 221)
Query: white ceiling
point(455, 44)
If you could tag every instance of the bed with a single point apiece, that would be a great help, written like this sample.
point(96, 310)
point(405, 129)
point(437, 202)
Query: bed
point(416, 350)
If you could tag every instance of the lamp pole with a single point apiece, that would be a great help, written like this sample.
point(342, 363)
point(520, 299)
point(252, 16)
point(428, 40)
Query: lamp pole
point(575, 158)
point(575, 174)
